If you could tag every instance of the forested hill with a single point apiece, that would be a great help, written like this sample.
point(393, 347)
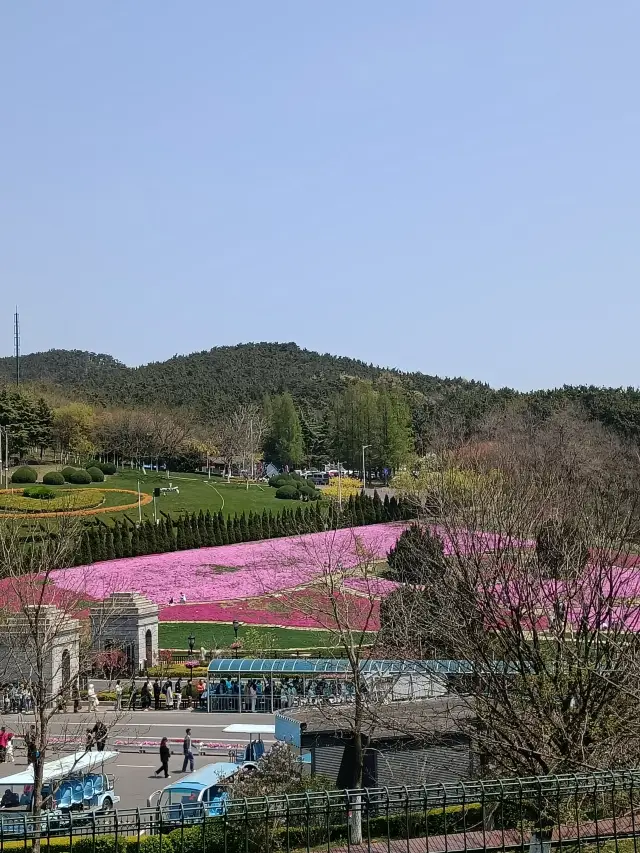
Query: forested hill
point(214, 383)
point(217, 380)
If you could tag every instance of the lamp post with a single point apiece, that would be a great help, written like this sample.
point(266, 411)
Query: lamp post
point(236, 625)
point(192, 641)
point(364, 476)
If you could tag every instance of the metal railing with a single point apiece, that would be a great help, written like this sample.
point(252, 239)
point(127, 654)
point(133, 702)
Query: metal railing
point(595, 812)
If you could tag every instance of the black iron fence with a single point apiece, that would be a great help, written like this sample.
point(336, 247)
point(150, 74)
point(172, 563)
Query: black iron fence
point(596, 812)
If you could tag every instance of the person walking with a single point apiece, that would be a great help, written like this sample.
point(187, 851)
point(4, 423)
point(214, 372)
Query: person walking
point(118, 690)
point(187, 750)
point(10, 756)
point(133, 695)
point(32, 745)
point(165, 754)
point(5, 737)
point(253, 696)
point(156, 694)
point(168, 694)
point(92, 697)
point(145, 696)
point(178, 694)
point(89, 741)
point(100, 735)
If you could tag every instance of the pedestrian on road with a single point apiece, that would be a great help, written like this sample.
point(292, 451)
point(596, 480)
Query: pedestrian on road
point(100, 733)
point(178, 694)
point(133, 695)
point(10, 756)
point(156, 694)
point(89, 741)
point(165, 754)
point(118, 705)
point(5, 738)
point(188, 752)
point(93, 699)
point(32, 745)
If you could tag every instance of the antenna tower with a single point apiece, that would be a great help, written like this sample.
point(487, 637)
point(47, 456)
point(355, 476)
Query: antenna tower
point(16, 338)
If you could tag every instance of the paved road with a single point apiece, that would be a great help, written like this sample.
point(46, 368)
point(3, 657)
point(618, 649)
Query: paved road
point(134, 770)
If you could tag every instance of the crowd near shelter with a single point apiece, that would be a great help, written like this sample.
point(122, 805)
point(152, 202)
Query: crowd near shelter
point(271, 684)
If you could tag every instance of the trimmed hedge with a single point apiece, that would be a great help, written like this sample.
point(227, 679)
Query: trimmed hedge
point(107, 468)
point(53, 478)
point(67, 472)
point(287, 493)
point(96, 475)
point(39, 492)
point(79, 477)
point(24, 474)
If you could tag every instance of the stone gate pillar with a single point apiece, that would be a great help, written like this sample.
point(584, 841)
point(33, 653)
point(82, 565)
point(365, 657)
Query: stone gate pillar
point(127, 621)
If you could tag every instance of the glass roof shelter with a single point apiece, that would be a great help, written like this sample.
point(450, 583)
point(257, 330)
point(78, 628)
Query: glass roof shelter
point(271, 684)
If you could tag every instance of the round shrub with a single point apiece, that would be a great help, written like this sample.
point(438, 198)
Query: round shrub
point(278, 480)
point(96, 475)
point(41, 492)
point(308, 492)
point(79, 477)
point(53, 478)
point(287, 493)
point(92, 463)
point(24, 475)
point(107, 468)
point(67, 472)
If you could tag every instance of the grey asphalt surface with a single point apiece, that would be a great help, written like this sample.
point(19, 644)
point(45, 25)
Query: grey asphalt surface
point(134, 770)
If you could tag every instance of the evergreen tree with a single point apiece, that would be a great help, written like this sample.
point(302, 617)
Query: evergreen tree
point(257, 527)
point(266, 532)
point(393, 509)
point(117, 541)
point(377, 507)
point(237, 530)
point(350, 512)
point(386, 508)
point(210, 535)
point(150, 536)
point(95, 543)
point(169, 534)
point(195, 530)
point(274, 524)
point(215, 530)
point(187, 531)
point(299, 520)
point(85, 555)
point(202, 529)
point(126, 540)
point(360, 517)
point(180, 537)
point(244, 528)
point(251, 526)
point(109, 549)
point(135, 543)
point(231, 534)
point(144, 545)
point(369, 510)
point(319, 525)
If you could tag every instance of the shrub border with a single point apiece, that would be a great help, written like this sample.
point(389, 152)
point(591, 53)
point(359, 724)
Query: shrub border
point(144, 500)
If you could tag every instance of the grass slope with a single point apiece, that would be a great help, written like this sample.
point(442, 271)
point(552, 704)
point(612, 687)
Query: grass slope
point(173, 635)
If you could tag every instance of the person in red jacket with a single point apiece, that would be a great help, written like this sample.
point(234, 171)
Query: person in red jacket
point(5, 737)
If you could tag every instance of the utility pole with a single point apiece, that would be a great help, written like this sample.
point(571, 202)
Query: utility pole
point(364, 476)
point(16, 338)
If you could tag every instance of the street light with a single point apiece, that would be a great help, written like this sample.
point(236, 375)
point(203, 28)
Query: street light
point(236, 625)
point(192, 641)
point(364, 476)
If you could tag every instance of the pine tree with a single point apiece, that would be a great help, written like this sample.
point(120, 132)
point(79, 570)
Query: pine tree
point(150, 536)
point(180, 538)
point(195, 530)
point(187, 531)
point(210, 535)
point(393, 509)
point(231, 534)
point(300, 520)
point(360, 516)
point(135, 543)
point(377, 507)
point(202, 529)
point(85, 555)
point(251, 526)
point(126, 541)
point(95, 544)
point(117, 541)
point(266, 532)
point(257, 527)
point(244, 528)
point(369, 510)
point(215, 530)
point(274, 525)
point(109, 549)
point(386, 510)
point(237, 530)
point(319, 519)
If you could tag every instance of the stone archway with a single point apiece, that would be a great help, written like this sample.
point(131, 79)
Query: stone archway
point(148, 647)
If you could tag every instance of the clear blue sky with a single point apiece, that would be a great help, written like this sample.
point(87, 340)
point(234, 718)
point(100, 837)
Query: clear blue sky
point(447, 187)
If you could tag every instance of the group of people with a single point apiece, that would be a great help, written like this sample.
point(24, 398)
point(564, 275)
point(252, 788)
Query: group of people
point(255, 695)
point(97, 736)
point(151, 693)
point(17, 698)
point(165, 755)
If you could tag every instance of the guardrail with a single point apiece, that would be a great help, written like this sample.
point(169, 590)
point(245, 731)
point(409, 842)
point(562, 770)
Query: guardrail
point(536, 815)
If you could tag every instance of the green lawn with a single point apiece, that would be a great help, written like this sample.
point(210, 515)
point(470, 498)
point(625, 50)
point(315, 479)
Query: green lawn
point(213, 635)
point(196, 492)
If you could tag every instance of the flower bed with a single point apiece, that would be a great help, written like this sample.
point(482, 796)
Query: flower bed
point(68, 499)
point(263, 567)
point(66, 510)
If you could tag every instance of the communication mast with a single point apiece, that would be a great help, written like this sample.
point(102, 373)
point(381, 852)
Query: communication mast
point(16, 338)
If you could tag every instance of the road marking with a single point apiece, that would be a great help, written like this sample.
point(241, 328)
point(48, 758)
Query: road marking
point(143, 766)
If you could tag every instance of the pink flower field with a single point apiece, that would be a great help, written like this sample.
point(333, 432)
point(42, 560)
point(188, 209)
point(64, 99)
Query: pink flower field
point(261, 567)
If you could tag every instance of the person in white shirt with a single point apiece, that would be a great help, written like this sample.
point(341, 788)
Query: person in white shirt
point(93, 699)
point(118, 689)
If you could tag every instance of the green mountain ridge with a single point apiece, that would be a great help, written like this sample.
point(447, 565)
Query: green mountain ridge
point(214, 382)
